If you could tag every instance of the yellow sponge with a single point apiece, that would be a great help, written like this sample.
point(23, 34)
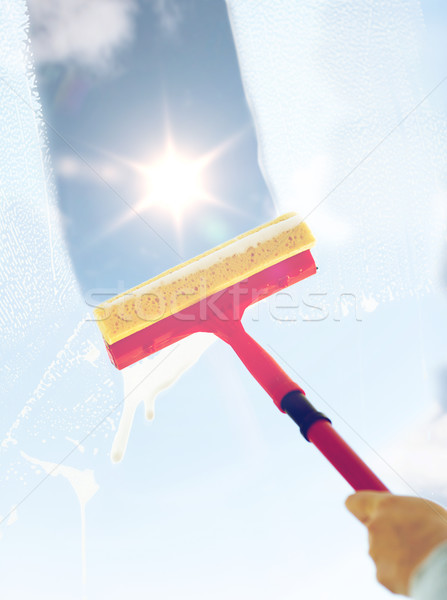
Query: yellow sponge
point(202, 276)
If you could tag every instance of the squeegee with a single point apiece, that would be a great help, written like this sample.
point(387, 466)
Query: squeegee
point(210, 293)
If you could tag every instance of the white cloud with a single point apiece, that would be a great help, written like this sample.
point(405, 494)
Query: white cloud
point(168, 13)
point(420, 455)
point(85, 32)
point(72, 167)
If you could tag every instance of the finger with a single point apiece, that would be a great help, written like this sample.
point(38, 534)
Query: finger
point(392, 577)
point(363, 505)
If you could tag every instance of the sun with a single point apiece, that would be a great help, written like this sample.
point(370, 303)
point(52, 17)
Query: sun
point(173, 183)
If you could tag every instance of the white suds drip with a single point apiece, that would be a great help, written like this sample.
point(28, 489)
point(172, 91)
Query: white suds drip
point(147, 378)
point(84, 486)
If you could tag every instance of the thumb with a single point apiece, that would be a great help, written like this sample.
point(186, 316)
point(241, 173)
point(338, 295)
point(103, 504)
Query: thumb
point(363, 505)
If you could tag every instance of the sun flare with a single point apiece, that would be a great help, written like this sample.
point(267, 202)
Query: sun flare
point(174, 183)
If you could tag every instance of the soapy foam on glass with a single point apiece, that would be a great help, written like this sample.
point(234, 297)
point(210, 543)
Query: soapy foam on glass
point(347, 139)
point(211, 272)
point(55, 381)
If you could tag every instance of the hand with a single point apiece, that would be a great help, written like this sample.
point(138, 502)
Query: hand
point(402, 532)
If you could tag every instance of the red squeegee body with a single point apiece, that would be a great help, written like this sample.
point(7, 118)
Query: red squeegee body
point(218, 310)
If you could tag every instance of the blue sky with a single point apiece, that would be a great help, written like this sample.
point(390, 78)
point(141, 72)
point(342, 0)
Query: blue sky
point(219, 495)
point(186, 80)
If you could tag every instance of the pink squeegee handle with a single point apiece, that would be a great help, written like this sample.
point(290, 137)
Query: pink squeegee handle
point(343, 458)
point(280, 387)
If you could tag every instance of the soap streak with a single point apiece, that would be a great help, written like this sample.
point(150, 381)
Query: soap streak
point(84, 486)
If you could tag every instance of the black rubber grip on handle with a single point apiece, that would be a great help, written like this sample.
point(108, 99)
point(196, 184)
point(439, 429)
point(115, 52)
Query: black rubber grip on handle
point(300, 410)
